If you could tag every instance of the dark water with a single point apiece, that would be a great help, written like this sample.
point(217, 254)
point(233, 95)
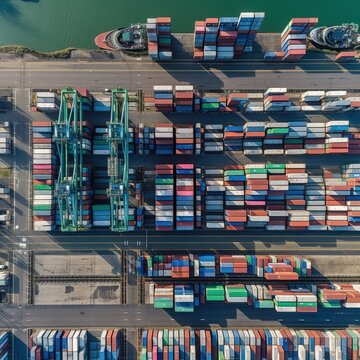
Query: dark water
point(55, 24)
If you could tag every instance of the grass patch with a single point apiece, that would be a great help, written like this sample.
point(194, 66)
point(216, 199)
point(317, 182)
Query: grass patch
point(20, 51)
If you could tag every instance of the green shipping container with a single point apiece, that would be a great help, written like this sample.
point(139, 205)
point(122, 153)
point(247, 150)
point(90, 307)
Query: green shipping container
point(307, 304)
point(163, 303)
point(234, 172)
point(266, 304)
point(330, 305)
point(42, 207)
point(256, 171)
point(101, 207)
point(183, 309)
point(215, 293)
point(42, 187)
point(275, 166)
point(210, 106)
point(289, 141)
point(285, 303)
point(277, 131)
point(237, 292)
point(164, 181)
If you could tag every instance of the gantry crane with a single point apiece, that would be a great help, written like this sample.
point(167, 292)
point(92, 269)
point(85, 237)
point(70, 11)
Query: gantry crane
point(118, 162)
point(68, 132)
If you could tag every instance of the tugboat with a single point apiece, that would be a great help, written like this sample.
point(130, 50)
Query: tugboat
point(132, 38)
point(335, 37)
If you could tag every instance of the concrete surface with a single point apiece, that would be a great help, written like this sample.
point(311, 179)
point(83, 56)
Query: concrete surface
point(76, 293)
point(334, 265)
point(104, 264)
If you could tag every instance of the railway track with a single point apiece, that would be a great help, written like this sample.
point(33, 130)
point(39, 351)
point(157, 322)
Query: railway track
point(85, 278)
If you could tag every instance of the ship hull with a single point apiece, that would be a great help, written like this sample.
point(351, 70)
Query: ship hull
point(317, 39)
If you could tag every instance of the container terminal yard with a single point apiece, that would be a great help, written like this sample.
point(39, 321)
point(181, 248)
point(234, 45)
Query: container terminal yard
point(182, 209)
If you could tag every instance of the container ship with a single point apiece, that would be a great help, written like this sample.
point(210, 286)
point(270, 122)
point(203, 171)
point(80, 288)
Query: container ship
point(335, 37)
point(132, 38)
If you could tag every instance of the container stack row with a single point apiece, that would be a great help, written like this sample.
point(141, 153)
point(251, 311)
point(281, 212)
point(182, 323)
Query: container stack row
point(75, 344)
point(164, 197)
point(87, 99)
point(102, 102)
point(284, 298)
point(248, 344)
point(226, 38)
point(44, 170)
point(5, 138)
point(5, 345)
point(185, 266)
point(274, 99)
point(59, 344)
point(87, 136)
point(185, 214)
point(101, 203)
point(252, 138)
point(159, 38)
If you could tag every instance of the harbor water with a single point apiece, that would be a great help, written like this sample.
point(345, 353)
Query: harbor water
point(48, 25)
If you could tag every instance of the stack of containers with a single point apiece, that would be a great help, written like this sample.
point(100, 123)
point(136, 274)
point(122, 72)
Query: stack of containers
point(226, 38)
point(235, 264)
point(198, 138)
point(285, 303)
point(86, 138)
point(99, 144)
point(152, 36)
point(5, 139)
point(163, 97)
point(163, 296)
point(294, 139)
point(352, 174)
point(280, 271)
point(335, 100)
point(184, 298)
point(185, 216)
point(255, 195)
point(354, 104)
point(164, 139)
point(162, 265)
point(274, 55)
point(259, 296)
point(44, 172)
point(335, 143)
point(275, 99)
point(164, 197)
point(254, 29)
point(306, 302)
point(87, 99)
point(180, 267)
point(215, 292)
point(243, 28)
point(110, 343)
point(159, 38)
point(184, 139)
point(199, 37)
point(234, 181)
point(233, 138)
point(4, 345)
point(102, 101)
point(213, 138)
point(297, 176)
point(163, 25)
point(210, 39)
point(315, 138)
point(214, 201)
point(236, 293)
point(210, 102)
point(293, 37)
point(184, 98)
point(254, 134)
point(59, 344)
point(316, 202)
point(237, 101)
point(101, 205)
point(337, 191)
point(311, 100)
point(197, 102)
point(274, 138)
point(207, 265)
point(47, 101)
point(200, 193)
point(145, 140)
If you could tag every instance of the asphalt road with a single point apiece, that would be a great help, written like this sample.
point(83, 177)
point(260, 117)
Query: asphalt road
point(135, 316)
point(144, 74)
